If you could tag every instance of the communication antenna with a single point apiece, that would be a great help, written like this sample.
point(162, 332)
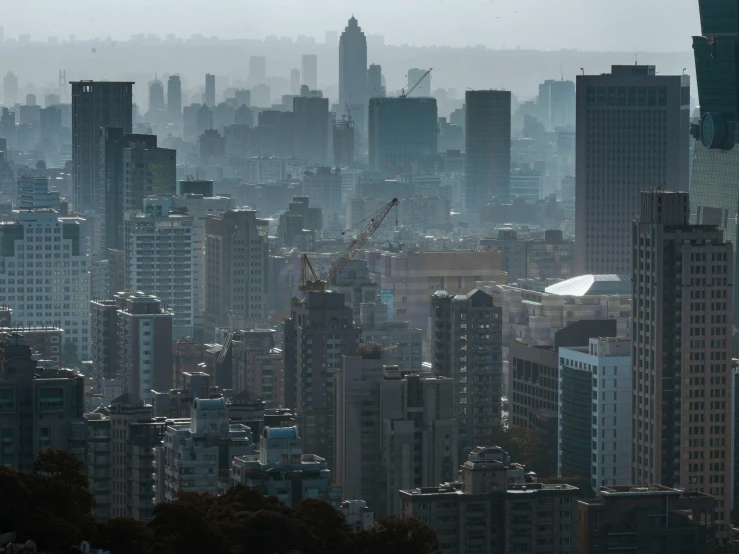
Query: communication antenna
point(62, 84)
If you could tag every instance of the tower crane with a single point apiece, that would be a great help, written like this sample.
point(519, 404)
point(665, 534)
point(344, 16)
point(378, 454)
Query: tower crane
point(309, 280)
point(406, 94)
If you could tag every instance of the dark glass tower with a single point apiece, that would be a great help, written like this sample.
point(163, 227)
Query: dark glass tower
point(714, 188)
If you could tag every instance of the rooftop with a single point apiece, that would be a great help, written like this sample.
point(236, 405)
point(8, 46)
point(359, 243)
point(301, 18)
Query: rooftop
point(592, 285)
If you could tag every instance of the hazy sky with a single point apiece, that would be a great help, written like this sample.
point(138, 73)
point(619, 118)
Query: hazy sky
point(652, 25)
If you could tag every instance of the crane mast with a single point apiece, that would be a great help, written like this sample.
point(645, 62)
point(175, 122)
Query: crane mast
point(309, 280)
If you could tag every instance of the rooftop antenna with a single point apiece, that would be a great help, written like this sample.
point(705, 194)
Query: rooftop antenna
point(583, 71)
point(561, 73)
point(636, 59)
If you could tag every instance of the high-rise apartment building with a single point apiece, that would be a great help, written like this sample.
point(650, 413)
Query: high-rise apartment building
point(134, 343)
point(258, 366)
point(323, 188)
point(40, 408)
point(419, 79)
point(487, 146)
point(632, 134)
point(44, 275)
point(236, 249)
point(494, 508)
point(196, 453)
point(595, 412)
point(402, 133)
point(681, 356)
point(319, 332)
point(311, 129)
point(209, 97)
point(159, 252)
point(174, 98)
point(10, 89)
point(714, 196)
point(466, 336)
point(95, 105)
point(34, 193)
point(295, 82)
point(309, 71)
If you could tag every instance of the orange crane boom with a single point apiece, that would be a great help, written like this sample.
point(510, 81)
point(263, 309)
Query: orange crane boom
point(309, 280)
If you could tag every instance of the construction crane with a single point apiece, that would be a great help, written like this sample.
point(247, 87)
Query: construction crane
point(309, 280)
point(404, 94)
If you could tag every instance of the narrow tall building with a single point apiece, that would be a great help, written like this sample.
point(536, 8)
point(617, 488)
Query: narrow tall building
point(309, 71)
point(681, 356)
point(236, 249)
point(319, 332)
point(466, 335)
point(209, 97)
point(95, 105)
point(174, 98)
point(487, 145)
point(311, 129)
point(632, 133)
point(353, 93)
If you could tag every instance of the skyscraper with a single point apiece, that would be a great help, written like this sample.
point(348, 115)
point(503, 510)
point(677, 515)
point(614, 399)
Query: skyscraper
point(95, 104)
point(209, 98)
point(487, 145)
point(310, 125)
point(236, 248)
point(632, 134)
point(467, 347)
point(402, 132)
point(353, 94)
point(156, 97)
point(174, 98)
point(10, 89)
point(257, 69)
point(295, 82)
point(714, 194)
point(419, 79)
point(309, 71)
point(374, 81)
point(681, 356)
point(556, 104)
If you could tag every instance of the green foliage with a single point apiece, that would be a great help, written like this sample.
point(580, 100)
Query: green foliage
point(53, 506)
point(526, 446)
point(69, 352)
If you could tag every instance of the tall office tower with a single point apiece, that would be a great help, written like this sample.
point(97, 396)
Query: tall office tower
point(466, 336)
point(309, 71)
point(555, 104)
point(34, 193)
point(319, 332)
point(323, 188)
point(353, 93)
point(257, 70)
point(343, 142)
point(374, 81)
point(159, 261)
point(133, 436)
point(258, 367)
point(352, 65)
point(295, 82)
point(418, 78)
point(402, 133)
point(156, 98)
point(418, 417)
point(10, 90)
point(62, 291)
point(144, 343)
point(95, 105)
point(487, 147)
point(682, 325)
point(632, 134)
point(174, 98)
point(714, 196)
point(310, 125)
point(195, 453)
point(147, 170)
point(41, 407)
point(595, 412)
point(209, 97)
point(236, 249)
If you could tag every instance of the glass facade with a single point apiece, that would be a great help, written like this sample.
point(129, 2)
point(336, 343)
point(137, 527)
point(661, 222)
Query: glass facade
point(575, 422)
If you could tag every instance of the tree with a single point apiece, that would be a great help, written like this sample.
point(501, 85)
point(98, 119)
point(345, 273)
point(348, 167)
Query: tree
point(326, 522)
point(392, 535)
point(123, 535)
